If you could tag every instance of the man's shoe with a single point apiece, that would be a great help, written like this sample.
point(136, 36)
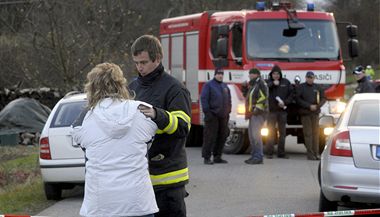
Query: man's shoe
point(219, 160)
point(269, 156)
point(208, 161)
point(253, 161)
point(284, 156)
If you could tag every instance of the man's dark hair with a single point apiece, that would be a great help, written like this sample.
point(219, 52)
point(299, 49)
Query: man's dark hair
point(148, 43)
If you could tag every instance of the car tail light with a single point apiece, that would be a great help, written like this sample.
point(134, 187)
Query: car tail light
point(45, 148)
point(341, 145)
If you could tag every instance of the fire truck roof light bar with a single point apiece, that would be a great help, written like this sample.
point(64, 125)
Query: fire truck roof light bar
point(310, 6)
point(260, 6)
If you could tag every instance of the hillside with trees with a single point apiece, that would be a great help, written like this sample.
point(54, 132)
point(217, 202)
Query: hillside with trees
point(54, 43)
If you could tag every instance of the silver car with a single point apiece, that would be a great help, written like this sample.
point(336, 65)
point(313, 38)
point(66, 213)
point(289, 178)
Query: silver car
point(349, 171)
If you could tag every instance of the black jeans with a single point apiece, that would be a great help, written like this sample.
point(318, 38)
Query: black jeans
point(171, 202)
point(276, 118)
point(215, 133)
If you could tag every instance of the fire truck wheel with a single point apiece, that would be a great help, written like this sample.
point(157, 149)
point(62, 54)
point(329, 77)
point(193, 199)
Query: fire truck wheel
point(236, 143)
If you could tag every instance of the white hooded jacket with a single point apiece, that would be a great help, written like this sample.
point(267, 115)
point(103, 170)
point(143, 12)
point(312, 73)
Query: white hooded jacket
point(115, 135)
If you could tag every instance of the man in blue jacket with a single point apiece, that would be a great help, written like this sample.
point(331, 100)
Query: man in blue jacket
point(216, 105)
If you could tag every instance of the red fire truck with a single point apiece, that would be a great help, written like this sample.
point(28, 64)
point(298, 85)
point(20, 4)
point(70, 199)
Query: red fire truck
point(296, 40)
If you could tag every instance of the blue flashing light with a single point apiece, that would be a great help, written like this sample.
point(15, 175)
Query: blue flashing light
point(310, 7)
point(260, 6)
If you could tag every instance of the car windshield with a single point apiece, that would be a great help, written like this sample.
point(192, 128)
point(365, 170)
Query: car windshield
point(365, 113)
point(67, 113)
point(317, 41)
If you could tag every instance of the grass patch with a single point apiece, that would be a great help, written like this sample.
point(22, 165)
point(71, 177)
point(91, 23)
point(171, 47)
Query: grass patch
point(13, 152)
point(21, 187)
point(18, 170)
point(27, 198)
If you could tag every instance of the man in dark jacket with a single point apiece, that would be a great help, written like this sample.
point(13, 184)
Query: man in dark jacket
point(171, 112)
point(216, 105)
point(280, 96)
point(364, 85)
point(310, 98)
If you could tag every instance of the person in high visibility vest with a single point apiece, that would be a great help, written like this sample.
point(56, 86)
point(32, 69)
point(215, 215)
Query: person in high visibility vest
point(369, 72)
point(256, 110)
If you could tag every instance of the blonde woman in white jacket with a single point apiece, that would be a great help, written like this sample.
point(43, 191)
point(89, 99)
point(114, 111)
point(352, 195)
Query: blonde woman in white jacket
point(115, 135)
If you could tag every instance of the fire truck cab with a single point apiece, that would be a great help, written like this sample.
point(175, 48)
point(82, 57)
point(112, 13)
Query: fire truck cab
point(296, 40)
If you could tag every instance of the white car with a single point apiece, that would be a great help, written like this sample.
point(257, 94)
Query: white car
point(349, 172)
point(62, 162)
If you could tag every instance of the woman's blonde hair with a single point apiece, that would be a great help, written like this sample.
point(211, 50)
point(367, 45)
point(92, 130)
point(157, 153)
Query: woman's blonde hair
point(105, 80)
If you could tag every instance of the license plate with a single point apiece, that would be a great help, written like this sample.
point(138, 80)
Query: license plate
point(378, 151)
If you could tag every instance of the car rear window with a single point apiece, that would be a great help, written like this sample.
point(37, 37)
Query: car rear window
point(67, 113)
point(365, 113)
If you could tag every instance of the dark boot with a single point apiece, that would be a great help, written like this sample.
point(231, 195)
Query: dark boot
point(208, 161)
point(219, 160)
point(253, 161)
point(284, 156)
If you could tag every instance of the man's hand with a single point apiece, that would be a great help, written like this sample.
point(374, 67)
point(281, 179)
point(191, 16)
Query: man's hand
point(313, 107)
point(149, 112)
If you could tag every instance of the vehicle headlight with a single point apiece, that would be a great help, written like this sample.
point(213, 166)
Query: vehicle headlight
point(264, 131)
point(241, 109)
point(328, 130)
point(337, 107)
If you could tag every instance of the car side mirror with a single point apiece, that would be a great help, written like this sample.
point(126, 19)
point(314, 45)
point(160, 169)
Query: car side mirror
point(353, 47)
point(352, 31)
point(326, 121)
point(289, 32)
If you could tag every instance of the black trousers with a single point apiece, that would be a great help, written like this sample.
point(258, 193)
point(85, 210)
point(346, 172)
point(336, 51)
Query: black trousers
point(215, 133)
point(276, 118)
point(171, 202)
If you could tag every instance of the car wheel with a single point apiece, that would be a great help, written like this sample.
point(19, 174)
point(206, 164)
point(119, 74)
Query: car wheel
point(319, 174)
point(322, 141)
point(52, 191)
point(236, 142)
point(325, 204)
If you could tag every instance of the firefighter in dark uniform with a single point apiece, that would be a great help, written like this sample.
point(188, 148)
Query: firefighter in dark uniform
point(171, 112)
point(310, 98)
point(364, 85)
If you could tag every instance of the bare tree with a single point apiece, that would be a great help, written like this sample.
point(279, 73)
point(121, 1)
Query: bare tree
point(54, 43)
